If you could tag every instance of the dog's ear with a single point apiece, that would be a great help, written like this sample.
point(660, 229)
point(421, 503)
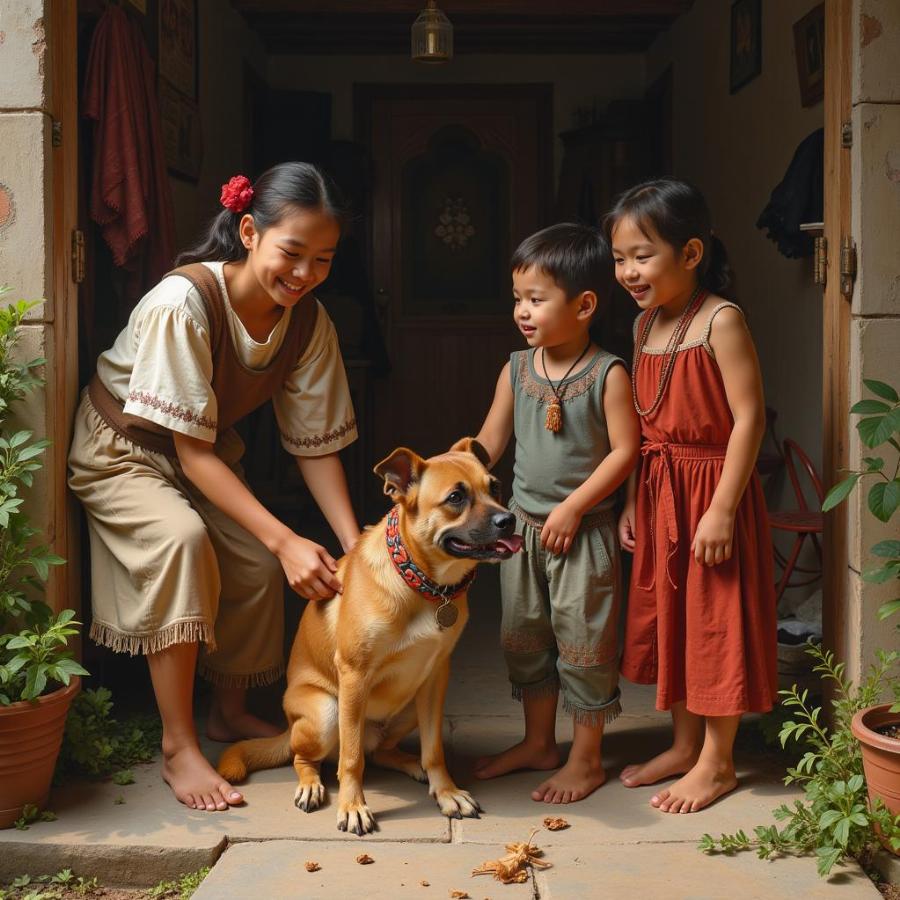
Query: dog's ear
point(470, 445)
point(399, 471)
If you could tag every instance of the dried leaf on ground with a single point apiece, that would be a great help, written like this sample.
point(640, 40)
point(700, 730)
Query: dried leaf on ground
point(364, 859)
point(312, 866)
point(459, 895)
point(510, 869)
point(555, 823)
point(425, 883)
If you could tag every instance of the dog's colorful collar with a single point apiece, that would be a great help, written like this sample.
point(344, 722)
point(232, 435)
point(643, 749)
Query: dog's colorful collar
point(412, 574)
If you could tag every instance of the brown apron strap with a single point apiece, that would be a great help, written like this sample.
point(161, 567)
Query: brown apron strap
point(132, 428)
point(204, 279)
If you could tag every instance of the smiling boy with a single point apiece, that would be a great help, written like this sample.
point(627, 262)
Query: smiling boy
point(568, 403)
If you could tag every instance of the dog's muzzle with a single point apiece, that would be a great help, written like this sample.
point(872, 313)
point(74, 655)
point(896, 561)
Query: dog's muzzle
point(493, 540)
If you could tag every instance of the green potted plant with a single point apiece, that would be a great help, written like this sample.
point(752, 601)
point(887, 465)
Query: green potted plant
point(877, 727)
point(38, 674)
point(850, 771)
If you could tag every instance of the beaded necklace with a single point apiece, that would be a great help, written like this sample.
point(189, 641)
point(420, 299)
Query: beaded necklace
point(672, 345)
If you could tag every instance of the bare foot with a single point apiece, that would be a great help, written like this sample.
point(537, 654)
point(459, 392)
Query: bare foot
point(196, 783)
point(574, 781)
point(237, 726)
point(670, 762)
point(704, 783)
point(519, 756)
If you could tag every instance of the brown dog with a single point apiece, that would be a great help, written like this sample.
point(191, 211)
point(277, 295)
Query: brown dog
point(372, 664)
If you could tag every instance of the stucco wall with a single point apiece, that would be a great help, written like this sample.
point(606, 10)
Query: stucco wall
point(875, 310)
point(25, 219)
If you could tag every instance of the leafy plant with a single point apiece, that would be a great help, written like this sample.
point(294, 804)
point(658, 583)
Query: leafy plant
point(98, 745)
point(62, 884)
point(30, 814)
point(880, 426)
point(33, 649)
point(833, 820)
point(181, 888)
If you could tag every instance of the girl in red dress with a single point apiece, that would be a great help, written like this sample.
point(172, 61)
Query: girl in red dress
point(701, 609)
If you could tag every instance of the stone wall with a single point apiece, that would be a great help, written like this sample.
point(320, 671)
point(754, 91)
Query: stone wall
point(875, 311)
point(25, 214)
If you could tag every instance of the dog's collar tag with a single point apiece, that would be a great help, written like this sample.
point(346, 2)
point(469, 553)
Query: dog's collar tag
point(447, 613)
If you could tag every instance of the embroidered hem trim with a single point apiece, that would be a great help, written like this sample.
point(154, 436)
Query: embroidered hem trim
point(229, 680)
point(142, 398)
point(593, 717)
point(549, 685)
point(528, 642)
point(180, 633)
point(320, 440)
point(586, 657)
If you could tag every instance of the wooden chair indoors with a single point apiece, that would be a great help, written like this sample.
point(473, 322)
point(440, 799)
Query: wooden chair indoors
point(803, 522)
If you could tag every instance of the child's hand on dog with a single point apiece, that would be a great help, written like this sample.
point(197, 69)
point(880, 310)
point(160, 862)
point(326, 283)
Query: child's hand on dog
point(560, 528)
point(309, 567)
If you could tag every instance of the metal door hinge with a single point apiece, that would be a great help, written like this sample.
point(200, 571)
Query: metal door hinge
point(846, 134)
point(820, 260)
point(77, 256)
point(56, 133)
point(848, 266)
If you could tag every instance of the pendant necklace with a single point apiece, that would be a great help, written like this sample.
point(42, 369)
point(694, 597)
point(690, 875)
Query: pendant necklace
point(553, 420)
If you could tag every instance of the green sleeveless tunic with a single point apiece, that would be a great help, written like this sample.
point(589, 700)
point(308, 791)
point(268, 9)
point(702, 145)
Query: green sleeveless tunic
point(549, 466)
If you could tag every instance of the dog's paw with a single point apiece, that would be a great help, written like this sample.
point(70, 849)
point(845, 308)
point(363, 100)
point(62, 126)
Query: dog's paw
point(309, 797)
point(456, 804)
point(357, 818)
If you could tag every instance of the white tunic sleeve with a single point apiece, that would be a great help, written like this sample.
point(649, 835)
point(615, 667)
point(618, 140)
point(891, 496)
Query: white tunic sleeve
point(171, 381)
point(313, 408)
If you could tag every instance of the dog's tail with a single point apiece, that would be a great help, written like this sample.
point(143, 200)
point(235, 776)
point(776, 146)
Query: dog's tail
point(244, 757)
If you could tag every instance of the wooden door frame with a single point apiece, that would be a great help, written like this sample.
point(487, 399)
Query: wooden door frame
point(836, 319)
point(61, 316)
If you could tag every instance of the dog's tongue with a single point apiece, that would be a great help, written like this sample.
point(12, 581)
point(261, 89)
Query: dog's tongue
point(512, 543)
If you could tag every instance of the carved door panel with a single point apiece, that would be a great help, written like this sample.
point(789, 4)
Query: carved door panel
point(461, 176)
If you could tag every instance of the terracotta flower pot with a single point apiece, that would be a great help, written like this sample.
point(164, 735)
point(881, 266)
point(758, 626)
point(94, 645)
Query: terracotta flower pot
point(30, 738)
point(881, 755)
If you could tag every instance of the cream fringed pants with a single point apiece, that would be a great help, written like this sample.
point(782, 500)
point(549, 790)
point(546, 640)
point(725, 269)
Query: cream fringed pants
point(169, 567)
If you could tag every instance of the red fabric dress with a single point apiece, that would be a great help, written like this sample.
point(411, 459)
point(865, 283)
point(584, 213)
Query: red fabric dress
point(703, 634)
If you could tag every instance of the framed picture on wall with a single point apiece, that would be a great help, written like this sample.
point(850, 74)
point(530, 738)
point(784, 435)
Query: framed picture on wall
point(178, 45)
point(746, 42)
point(181, 134)
point(809, 46)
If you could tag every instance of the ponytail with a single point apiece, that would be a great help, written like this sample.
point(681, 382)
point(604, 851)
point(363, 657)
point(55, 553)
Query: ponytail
point(717, 275)
point(277, 192)
point(220, 242)
point(677, 212)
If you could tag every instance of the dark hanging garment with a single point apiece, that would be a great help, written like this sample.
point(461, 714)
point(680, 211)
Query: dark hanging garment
point(130, 198)
point(798, 199)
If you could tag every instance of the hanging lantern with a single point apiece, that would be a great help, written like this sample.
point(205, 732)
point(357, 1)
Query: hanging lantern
point(432, 36)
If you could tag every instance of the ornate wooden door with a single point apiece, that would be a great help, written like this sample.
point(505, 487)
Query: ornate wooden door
point(461, 175)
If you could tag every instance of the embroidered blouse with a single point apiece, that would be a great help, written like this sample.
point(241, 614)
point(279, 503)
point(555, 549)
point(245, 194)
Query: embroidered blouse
point(160, 367)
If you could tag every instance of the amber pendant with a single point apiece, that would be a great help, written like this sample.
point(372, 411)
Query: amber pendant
point(553, 421)
point(446, 614)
